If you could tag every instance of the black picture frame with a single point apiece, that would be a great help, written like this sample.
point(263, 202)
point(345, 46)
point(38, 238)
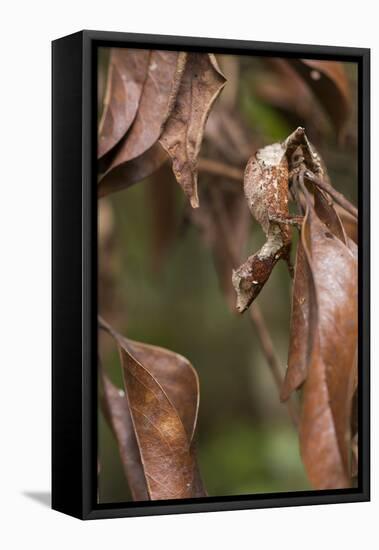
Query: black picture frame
point(74, 273)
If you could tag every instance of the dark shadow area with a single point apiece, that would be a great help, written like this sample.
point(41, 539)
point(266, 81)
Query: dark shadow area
point(42, 497)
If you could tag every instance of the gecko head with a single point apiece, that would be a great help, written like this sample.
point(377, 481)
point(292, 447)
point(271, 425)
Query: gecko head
point(249, 279)
point(246, 290)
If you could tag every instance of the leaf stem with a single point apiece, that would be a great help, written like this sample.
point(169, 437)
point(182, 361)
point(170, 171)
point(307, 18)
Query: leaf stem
point(338, 197)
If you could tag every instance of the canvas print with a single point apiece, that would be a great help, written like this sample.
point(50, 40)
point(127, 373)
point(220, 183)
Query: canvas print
point(227, 275)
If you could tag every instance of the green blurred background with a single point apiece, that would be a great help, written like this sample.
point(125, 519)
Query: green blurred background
point(169, 295)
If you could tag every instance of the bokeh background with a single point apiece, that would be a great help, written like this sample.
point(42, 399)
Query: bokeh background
point(158, 284)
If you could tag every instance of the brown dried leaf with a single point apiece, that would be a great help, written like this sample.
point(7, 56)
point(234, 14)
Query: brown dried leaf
point(302, 326)
point(126, 76)
point(354, 420)
point(163, 393)
point(319, 447)
point(322, 351)
point(324, 208)
point(175, 374)
point(329, 215)
point(158, 95)
point(329, 82)
point(354, 424)
point(116, 411)
point(354, 458)
point(182, 135)
point(350, 223)
point(131, 172)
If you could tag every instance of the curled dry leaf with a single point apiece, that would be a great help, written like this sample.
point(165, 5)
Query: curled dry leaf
point(331, 216)
point(301, 153)
point(319, 447)
point(354, 421)
point(158, 93)
point(162, 389)
point(349, 222)
point(127, 72)
point(322, 351)
point(302, 326)
point(354, 458)
point(182, 135)
point(177, 95)
point(324, 208)
point(329, 82)
point(116, 411)
point(135, 170)
point(301, 334)
point(160, 87)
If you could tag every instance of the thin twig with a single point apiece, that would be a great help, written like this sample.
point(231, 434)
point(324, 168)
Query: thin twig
point(259, 322)
point(255, 313)
point(220, 169)
point(338, 197)
point(256, 317)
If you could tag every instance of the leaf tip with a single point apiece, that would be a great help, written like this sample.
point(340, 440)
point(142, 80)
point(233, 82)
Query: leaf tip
point(284, 393)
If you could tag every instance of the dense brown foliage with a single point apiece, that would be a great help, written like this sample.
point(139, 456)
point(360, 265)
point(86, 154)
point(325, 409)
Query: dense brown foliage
point(155, 108)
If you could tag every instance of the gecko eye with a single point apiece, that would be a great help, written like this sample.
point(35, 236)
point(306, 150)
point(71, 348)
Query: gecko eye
point(297, 158)
point(245, 285)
